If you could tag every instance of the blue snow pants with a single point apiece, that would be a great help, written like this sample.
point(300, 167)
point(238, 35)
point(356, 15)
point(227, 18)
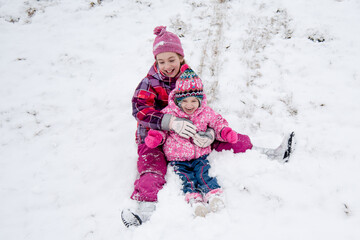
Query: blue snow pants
point(195, 175)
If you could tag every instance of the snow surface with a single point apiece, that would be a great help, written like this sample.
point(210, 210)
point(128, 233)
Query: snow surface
point(68, 70)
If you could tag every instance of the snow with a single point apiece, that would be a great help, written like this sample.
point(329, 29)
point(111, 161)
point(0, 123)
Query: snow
point(68, 157)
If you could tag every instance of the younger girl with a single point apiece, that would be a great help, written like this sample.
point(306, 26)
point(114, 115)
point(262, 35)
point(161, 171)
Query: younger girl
point(188, 101)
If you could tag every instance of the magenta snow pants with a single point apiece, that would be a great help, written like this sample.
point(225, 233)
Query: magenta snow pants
point(152, 167)
point(243, 143)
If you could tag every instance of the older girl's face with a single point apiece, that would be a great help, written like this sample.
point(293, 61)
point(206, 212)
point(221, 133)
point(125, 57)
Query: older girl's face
point(169, 63)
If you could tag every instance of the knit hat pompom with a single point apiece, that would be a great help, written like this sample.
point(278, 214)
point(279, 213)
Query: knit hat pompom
point(166, 42)
point(184, 67)
point(188, 85)
point(160, 30)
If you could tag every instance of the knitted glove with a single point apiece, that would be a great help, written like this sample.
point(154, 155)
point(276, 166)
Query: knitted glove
point(153, 139)
point(184, 127)
point(229, 135)
point(204, 139)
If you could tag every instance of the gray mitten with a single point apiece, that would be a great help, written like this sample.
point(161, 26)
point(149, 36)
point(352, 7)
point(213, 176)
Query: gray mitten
point(204, 139)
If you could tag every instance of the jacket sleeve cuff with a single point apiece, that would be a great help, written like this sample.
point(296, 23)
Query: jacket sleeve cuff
point(210, 133)
point(165, 122)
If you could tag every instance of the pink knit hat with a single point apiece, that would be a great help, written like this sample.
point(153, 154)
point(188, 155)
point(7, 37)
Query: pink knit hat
point(166, 42)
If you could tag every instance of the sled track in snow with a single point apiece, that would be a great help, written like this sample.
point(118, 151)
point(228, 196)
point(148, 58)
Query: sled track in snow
point(212, 48)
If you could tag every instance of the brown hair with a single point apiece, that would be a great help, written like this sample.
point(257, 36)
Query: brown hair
point(183, 61)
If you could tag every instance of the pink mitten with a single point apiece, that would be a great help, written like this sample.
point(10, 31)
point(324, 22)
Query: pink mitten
point(229, 135)
point(153, 139)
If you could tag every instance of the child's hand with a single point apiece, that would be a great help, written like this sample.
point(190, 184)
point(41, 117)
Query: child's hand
point(153, 139)
point(204, 139)
point(229, 135)
point(184, 127)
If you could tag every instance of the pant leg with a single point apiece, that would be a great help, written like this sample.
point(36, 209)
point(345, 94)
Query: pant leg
point(205, 182)
point(243, 143)
point(152, 169)
point(185, 171)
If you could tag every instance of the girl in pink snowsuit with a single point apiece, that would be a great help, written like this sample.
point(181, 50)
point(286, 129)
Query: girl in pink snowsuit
point(188, 101)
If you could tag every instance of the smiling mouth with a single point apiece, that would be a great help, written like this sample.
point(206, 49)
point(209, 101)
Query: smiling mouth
point(170, 72)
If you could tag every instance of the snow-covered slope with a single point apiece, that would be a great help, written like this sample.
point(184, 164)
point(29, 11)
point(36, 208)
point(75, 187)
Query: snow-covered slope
point(68, 70)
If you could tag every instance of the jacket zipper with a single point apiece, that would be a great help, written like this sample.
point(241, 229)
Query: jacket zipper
point(194, 151)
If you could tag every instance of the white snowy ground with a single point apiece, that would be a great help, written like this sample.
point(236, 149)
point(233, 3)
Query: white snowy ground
point(68, 70)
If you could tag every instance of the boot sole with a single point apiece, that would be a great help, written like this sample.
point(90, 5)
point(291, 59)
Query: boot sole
point(135, 221)
point(290, 147)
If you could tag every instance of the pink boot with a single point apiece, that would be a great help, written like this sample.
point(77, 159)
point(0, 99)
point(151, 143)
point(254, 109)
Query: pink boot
point(215, 199)
point(197, 203)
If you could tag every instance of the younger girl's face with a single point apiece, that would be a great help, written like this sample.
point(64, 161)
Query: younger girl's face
point(189, 105)
point(169, 63)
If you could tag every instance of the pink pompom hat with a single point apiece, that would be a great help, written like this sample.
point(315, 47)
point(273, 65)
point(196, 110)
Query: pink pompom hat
point(166, 42)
